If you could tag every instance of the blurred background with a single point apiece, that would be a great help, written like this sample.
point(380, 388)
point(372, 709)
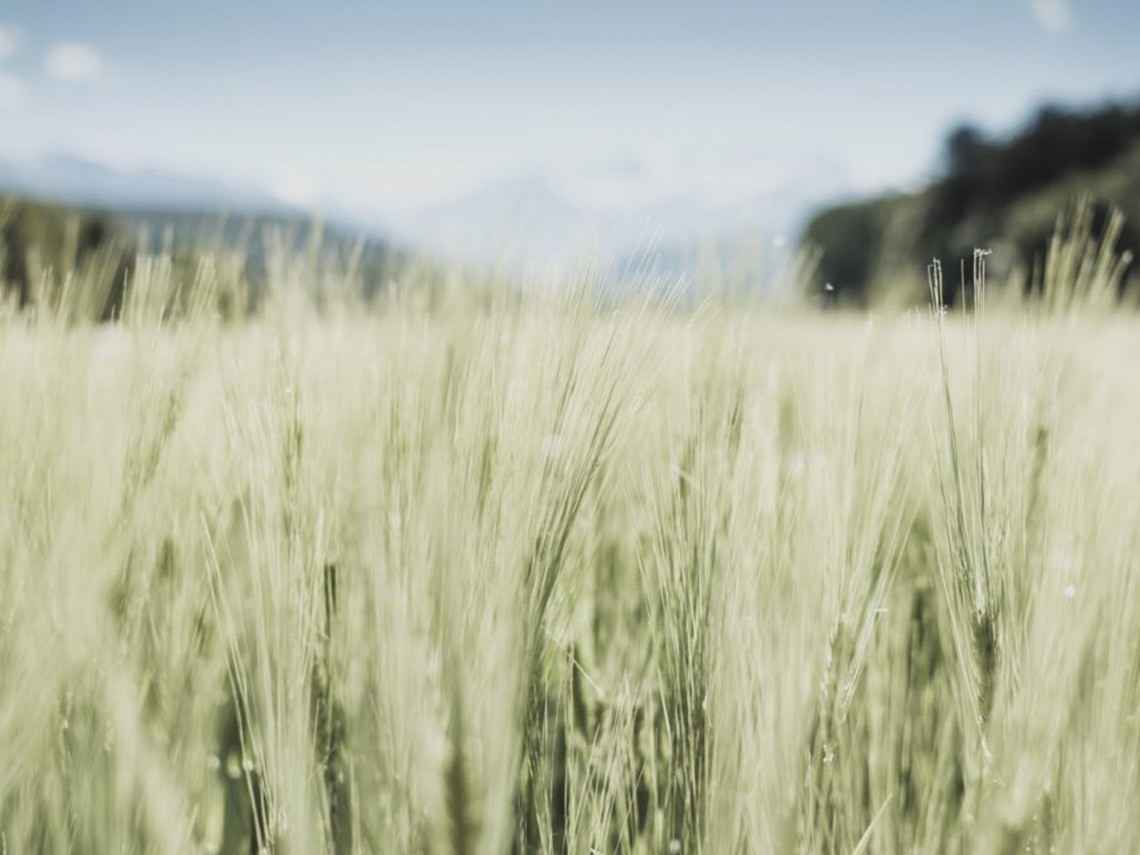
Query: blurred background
point(854, 140)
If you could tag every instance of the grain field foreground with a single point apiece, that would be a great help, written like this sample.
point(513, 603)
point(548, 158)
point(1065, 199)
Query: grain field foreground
point(541, 577)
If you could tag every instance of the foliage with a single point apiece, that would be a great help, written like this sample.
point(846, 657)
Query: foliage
point(1003, 194)
point(45, 251)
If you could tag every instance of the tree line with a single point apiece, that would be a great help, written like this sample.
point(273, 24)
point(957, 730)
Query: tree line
point(1000, 193)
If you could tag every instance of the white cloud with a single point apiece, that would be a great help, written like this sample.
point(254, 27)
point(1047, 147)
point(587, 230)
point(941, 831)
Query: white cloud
point(13, 93)
point(10, 38)
point(73, 61)
point(1056, 16)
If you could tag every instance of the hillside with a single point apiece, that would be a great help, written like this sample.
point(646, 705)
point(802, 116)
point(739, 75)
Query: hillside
point(258, 237)
point(999, 194)
point(45, 246)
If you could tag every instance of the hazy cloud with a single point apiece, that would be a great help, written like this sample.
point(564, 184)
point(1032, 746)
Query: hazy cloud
point(295, 187)
point(10, 38)
point(1056, 16)
point(701, 178)
point(73, 61)
point(13, 93)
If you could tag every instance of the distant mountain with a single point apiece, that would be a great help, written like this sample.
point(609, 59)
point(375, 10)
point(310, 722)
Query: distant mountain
point(506, 222)
point(105, 222)
point(629, 212)
point(75, 181)
point(632, 214)
point(147, 208)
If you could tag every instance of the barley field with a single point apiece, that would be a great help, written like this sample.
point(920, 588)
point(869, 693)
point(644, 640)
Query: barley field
point(478, 573)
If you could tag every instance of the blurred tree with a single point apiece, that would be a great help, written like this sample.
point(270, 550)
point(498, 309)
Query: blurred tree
point(41, 245)
point(966, 147)
point(993, 193)
point(852, 237)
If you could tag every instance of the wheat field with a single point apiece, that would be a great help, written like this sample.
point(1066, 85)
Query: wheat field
point(545, 574)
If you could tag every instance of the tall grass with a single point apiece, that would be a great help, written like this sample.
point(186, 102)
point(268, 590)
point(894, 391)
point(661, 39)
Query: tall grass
point(474, 573)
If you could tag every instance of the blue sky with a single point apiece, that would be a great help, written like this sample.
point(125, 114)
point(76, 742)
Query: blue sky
point(381, 107)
